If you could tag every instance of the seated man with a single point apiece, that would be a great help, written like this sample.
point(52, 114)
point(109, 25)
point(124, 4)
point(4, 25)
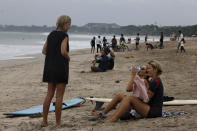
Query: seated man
point(111, 56)
point(103, 61)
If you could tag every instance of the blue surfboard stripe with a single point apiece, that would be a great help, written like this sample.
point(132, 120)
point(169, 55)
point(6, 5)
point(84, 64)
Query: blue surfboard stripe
point(39, 109)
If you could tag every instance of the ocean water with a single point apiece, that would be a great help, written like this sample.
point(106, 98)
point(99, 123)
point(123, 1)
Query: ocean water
point(20, 45)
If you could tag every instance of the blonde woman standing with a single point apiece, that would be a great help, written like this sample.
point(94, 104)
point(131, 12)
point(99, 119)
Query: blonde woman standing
point(56, 67)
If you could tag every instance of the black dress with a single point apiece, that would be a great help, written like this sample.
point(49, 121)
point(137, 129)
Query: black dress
point(56, 67)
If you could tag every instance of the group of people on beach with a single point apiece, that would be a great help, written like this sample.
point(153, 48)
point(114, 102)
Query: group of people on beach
point(145, 83)
point(180, 39)
point(103, 43)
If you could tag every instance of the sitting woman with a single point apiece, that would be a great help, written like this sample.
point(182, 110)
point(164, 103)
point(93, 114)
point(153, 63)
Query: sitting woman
point(137, 87)
point(155, 93)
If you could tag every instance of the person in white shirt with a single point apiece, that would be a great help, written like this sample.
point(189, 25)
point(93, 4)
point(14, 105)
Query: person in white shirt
point(98, 43)
point(179, 39)
point(182, 45)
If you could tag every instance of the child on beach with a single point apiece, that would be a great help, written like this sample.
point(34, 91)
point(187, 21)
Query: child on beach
point(179, 40)
point(182, 45)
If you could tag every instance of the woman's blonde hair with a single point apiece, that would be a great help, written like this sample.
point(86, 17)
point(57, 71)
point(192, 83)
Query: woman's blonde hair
point(62, 20)
point(156, 65)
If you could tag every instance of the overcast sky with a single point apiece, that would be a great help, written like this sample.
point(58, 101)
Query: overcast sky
point(122, 12)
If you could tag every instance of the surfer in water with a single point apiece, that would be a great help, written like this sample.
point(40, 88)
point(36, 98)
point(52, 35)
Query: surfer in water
point(56, 67)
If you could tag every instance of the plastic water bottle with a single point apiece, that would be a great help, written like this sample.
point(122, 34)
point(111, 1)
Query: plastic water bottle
point(138, 68)
point(130, 69)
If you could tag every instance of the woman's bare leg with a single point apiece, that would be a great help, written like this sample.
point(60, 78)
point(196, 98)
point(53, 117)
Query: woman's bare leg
point(125, 106)
point(118, 98)
point(47, 101)
point(59, 98)
point(111, 105)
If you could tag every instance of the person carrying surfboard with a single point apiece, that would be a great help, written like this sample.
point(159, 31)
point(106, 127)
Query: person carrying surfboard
point(56, 67)
point(155, 93)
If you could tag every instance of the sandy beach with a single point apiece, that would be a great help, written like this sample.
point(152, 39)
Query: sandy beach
point(21, 87)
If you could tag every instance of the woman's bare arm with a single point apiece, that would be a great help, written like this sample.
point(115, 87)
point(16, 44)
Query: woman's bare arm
point(64, 49)
point(44, 49)
point(130, 84)
point(150, 94)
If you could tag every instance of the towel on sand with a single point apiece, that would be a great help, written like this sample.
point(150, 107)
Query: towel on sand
point(135, 115)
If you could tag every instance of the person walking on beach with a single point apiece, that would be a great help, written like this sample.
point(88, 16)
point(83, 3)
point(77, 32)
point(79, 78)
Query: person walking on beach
point(161, 40)
point(137, 41)
point(182, 43)
point(146, 38)
point(92, 43)
point(104, 42)
point(180, 37)
point(98, 43)
point(122, 39)
point(114, 43)
point(56, 66)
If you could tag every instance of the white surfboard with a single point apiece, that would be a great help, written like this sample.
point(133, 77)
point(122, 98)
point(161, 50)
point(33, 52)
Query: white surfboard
point(168, 103)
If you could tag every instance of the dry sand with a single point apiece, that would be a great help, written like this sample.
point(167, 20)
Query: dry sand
point(21, 88)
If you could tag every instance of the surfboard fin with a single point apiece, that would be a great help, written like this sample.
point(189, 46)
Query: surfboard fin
point(62, 104)
point(98, 105)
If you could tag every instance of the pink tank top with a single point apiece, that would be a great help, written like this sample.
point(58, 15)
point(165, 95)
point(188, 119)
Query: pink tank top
point(140, 90)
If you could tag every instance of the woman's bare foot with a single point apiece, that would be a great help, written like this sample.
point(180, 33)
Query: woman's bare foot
point(95, 113)
point(110, 119)
point(44, 124)
point(58, 124)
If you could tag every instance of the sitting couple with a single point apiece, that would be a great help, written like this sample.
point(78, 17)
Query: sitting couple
point(105, 60)
point(146, 97)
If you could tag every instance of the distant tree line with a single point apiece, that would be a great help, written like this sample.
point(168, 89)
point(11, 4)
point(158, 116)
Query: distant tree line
point(109, 29)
